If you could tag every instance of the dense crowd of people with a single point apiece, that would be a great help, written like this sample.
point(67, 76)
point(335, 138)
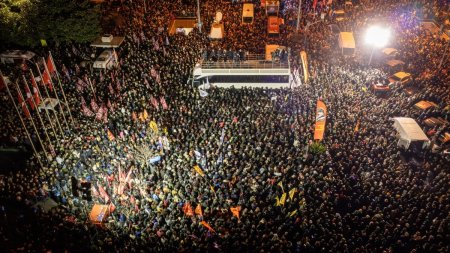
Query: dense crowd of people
point(234, 169)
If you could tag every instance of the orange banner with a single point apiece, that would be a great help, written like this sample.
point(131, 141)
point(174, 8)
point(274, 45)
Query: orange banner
point(206, 225)
point(235, 211)
point(198, 210)
point(321, 116)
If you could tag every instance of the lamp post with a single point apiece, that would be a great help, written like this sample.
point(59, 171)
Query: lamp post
point(377, 37)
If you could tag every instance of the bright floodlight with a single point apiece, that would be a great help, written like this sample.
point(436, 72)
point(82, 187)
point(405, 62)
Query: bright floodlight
point(377, 36)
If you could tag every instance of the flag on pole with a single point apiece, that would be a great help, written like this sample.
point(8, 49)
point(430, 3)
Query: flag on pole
point(111, 90)
point(103, 193)
point(29, 97)
point(198, 210)
point(314, 4)
point(86, 111)
point(199, 170)
point(128, 177)
point(50, 66)
point(2, 82)
point(187, 209)
point(283, 199)
point(357, 126)
point(46, 80)
point(154, 126)
point(205, 224)
point(37, 98)
point(145, 114)
point(163, 103)
point(277, 203)
point(292, 192)
point(94, 105)
point(280, 184)
point(154, 103)
point(99, 114)
point(112, 207)
point(293, 213)
point(24, 106)
point(110, 136)
point(153, 72)
point(235, 211)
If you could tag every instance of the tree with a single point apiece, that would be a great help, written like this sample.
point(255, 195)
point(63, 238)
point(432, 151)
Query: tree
point(25, 22)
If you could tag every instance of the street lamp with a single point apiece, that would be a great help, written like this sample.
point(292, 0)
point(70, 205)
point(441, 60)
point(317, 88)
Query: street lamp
point(377, 37)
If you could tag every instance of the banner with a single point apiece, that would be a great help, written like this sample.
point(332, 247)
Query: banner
point(304, 58)
point(205, 224)
point(292, 192)
point(235, 211)
point(199, 170)
point(187, 209)
point(198, 210)
point(321, 115)
point(283, 199)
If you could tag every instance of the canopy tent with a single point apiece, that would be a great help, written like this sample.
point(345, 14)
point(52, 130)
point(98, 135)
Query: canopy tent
point(409, 131)
point(402, 74)
point(217, 31)
point(347, 42)
point(182, 25)
point(11, 55)
point(269, 49)
point(273, 25)
point(423, 105)
point(46, 204)
point(389, 51)
point(108, 41)
point(394, 63)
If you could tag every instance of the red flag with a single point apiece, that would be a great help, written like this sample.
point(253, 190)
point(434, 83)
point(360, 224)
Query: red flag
point(187, 209)
point(2, 82)
point(29, 97)
point(51, 68)
point(24, 106)
point(45, 77)
point(112, 207)
point(94, 191)
point(37, 98)
point(205, 224)
point(314, 4)
point(105, 115)
point(103, 193)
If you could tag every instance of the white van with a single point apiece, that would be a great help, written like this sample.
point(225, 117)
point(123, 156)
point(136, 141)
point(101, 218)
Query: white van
point(105, 60)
